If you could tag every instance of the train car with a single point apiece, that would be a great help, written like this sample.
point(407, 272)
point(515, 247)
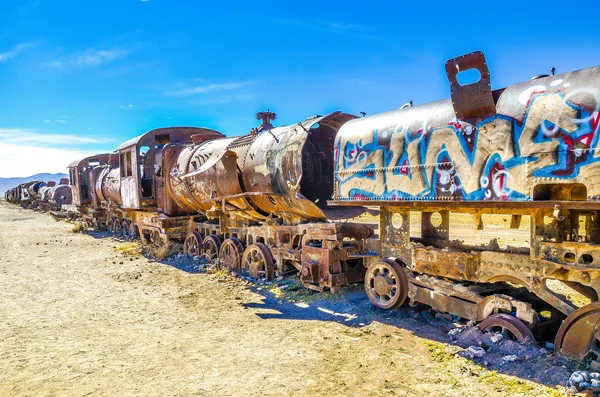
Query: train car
point(530, 150)
point(131, 186)
point(25, 196)
point(256, 202)
point(84, 203)
point(53, 196)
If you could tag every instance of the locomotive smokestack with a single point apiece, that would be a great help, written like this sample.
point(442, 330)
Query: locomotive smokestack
point(266, 118)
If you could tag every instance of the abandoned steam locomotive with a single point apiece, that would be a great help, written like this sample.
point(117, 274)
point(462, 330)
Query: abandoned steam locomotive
point(41, 195)
point(259, 202)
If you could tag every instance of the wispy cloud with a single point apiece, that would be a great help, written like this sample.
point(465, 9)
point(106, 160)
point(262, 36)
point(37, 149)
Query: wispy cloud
point(14, 52)
point(87, 58)
point(25, 136)
point(208, 88)
point(21, 160)
point(224, 99)
point(323, 26)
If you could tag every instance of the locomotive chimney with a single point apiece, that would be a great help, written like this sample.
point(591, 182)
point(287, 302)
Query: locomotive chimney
point(51, 184)
point(266, 118)
point(64, 181)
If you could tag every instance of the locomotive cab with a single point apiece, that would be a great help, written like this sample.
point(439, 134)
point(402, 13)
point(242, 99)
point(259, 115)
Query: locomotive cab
point(140, 165)
point(79, 177)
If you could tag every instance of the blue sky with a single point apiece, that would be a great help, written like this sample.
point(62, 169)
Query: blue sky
point(78, 77)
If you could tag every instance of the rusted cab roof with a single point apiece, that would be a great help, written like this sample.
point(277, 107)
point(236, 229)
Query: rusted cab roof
point(176, 134)
point(102, 159)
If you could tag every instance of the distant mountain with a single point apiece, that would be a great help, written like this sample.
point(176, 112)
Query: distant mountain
point(9, 183)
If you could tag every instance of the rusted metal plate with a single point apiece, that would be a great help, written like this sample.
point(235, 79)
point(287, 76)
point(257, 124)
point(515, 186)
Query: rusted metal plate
point(500, 207)
point(472, 101)
point(129, 192)
point(291, 163)
point(395, 234)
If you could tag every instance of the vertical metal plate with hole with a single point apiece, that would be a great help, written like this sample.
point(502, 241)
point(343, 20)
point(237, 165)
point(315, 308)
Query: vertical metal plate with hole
point(475, 100)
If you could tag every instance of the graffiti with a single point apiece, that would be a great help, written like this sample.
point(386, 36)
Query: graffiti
point(499, 158)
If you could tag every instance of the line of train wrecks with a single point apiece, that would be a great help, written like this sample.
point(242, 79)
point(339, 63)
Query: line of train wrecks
point(262, 202)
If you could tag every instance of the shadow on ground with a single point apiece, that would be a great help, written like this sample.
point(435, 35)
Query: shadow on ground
point(352, 308)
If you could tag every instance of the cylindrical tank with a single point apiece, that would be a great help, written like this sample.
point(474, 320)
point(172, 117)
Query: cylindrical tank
point(283, 171)
point(44, 192)
point(60, 194)
point(540, 133)
point(108, 185)
point(34, 189)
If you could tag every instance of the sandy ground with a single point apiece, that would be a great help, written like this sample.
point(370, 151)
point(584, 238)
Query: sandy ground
point(78, 318)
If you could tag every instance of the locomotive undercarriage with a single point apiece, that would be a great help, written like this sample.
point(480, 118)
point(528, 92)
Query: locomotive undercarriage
point(511, 289)
point(325, 255)
point(525, 291)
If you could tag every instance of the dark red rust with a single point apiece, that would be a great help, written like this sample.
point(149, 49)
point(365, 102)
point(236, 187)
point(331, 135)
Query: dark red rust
point(507, 324)
point(579, 335)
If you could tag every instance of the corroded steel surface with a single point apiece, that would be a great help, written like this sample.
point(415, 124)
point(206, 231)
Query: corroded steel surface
point(579, 335)
point(284, 171)
point(108, 186)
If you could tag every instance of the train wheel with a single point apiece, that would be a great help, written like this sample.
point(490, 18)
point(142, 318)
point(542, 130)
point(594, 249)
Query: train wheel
point(133, 230)
point(116, 227)
point(258, 261)
point(507, 325)
point(386, 284)
point(193, 244)
point(212, 245)
point(579, 334)
point(155, 237)
point(128, 229)
point(231, 253)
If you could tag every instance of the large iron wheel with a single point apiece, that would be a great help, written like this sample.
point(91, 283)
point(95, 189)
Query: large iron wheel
point(231, 253)
point(193, 244)
point(579, 334)
point(155, 237)
point(128, 229)
point(386, 284)
point(116, 227)
point(508, 326)
point(258, 262)
point(211, 246)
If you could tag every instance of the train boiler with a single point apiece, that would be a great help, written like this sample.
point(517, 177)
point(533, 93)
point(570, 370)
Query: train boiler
point(530, 149)
point(264, 196)
point(53, 196)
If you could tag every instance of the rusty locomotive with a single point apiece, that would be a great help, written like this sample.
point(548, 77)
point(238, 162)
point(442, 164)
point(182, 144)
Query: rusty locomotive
point(41, 195)
point(282, 200)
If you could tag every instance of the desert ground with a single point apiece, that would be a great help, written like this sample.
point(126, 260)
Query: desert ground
point(81, 315)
